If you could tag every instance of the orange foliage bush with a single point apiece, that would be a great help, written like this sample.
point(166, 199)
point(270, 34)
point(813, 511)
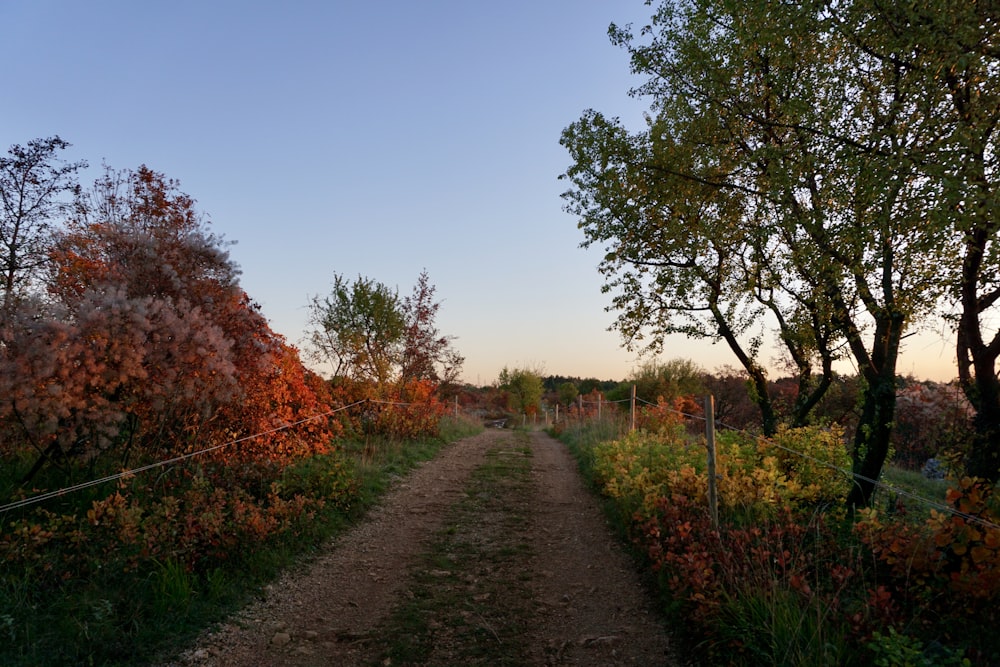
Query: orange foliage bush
point(198, 526)
point(951, 561)
point(665, 415)
point(401, 411)
point(286, 413)
point(149, 348)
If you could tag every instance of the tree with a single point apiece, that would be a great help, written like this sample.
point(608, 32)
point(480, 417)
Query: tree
point(955, 48)
point(970, 76)
point(673, 265)
point(590, 385)
point(426, 354)
point(951, 49)
point(523, 387)
point(670, 380)
point(775, 186)
point(359, 329)
point(728, 386)
point(366, 333)
point(33, 184)
point(567, 392)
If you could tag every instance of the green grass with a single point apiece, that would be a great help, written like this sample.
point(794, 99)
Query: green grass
point(778, 627)
point(581, 440)
point(911, 482)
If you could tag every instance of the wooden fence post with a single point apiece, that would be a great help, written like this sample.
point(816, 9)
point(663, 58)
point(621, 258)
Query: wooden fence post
point(713, 491)
point(632, 424)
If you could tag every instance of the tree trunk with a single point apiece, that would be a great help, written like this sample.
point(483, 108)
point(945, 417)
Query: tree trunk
point(872, 438)
point(762, 397)
point(878, 408)
point(50, 454)
point(984, 460)
point(983, 392)
point(809, 397)
point(760, 393)
point(977, 363)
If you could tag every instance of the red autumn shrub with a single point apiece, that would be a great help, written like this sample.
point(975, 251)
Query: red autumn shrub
point(793, 558)
point(400, 412)
point(667, 414)
point(952, 558)
point(943, 575)
point(148, 347)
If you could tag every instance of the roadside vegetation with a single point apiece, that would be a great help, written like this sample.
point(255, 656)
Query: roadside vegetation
point(811, 178)
point(163, 451)
point(122, 573)
point(791, 577)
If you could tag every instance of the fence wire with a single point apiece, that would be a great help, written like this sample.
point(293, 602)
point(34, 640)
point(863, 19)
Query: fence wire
point(25, 502)
point(850, 474)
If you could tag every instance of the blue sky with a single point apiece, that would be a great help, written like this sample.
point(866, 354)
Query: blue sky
point(362, 138)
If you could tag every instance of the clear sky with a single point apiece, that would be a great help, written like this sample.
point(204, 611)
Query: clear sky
point(363, 138)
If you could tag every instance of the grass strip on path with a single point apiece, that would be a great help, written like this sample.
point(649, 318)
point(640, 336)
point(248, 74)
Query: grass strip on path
point(469, 600)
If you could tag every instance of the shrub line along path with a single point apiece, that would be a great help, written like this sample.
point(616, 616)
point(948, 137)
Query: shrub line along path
point(494, 552)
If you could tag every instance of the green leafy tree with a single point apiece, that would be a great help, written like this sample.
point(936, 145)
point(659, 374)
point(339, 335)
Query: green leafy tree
point(359, 329)
point(524, 389)
point(775, 187)
point(668, 380)
point(948, 52)
point(954, 47)
point(672, 266)
point(567, 392)
point(366, 333)
point(970, 76)
point(589, 385)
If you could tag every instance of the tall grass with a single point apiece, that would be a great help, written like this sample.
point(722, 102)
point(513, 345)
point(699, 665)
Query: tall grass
point(581, 438)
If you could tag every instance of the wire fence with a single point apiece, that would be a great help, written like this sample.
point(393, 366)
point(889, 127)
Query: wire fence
point(48, 495)
point(850, 474)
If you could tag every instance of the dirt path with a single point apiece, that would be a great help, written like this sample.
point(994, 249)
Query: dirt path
point(594, 610)
point(578, 588)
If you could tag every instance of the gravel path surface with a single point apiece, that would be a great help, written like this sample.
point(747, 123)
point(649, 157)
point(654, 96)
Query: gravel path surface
point(588, 605)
